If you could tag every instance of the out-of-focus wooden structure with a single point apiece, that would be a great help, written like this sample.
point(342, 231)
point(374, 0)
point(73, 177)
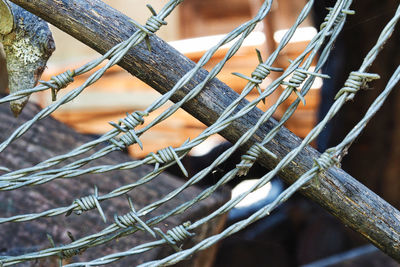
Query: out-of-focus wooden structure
point(118, 92)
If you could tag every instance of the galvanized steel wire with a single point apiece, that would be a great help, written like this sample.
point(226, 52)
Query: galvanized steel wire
point(297, 79)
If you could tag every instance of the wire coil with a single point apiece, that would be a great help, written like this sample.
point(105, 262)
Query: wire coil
point(88, 203)
point(355, 82)
point(131, 219)
point(248, 159)
point(176, 235)
point(59, 82)
point(127, 125)
point(167, 155)
point(326, 160)
point(339, 17)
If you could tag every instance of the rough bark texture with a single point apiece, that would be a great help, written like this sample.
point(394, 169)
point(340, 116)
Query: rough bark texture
point(27, 48)
point(49, 138)
point(101, 27)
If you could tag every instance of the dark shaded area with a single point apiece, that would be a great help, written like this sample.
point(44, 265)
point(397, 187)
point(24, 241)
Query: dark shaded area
point(373, 159)
point(367, 255)
point(296, 233)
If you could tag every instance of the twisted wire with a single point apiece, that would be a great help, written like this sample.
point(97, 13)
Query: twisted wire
point(375, 106)
point(249, 158)
point(326, 160)
point(355, 82)
point(295, 81)
point(289, 34)
point(154, 23)
point(212, 74)
point(111, 257)
point(338, 18)
point(69, 253)
point(117, 53)
point(59, 82)
point(167, 155)
point(130, 219)
point(176, 235)
point(127, 125)
point(259, 74)
point(88, 203)
point(322, 160)
point(298, 78)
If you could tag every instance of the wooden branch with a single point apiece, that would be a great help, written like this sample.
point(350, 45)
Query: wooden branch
point(101, 27)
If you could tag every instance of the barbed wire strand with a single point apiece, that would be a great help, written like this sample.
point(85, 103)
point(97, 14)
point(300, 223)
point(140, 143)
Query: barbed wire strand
point(185, 79)
point(57, 212)
point(356, 80)
point(326, 160)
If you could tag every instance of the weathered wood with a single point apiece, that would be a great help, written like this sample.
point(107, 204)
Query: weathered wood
point(101, 27)
point(49, 138)
point(28, 44)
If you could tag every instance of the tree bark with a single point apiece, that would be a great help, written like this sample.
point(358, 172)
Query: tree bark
point(101, 27)
point(49, 138)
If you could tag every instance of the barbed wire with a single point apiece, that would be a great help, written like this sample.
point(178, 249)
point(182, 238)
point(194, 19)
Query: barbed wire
point(169, 196)
point(325, 161)
point(69, 248)
point(131, 222)
point(244, 29)
point(144, 161)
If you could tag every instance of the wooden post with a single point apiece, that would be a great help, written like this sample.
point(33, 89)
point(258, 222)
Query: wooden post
point(101, 27)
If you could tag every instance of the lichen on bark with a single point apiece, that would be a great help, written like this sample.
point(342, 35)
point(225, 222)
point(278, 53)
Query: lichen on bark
point(27, 47)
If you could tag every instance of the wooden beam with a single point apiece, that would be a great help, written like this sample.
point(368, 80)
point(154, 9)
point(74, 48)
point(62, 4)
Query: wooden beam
point(101, 27)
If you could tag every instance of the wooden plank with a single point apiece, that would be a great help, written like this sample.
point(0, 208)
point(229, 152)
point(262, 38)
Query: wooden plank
point(338, 192)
